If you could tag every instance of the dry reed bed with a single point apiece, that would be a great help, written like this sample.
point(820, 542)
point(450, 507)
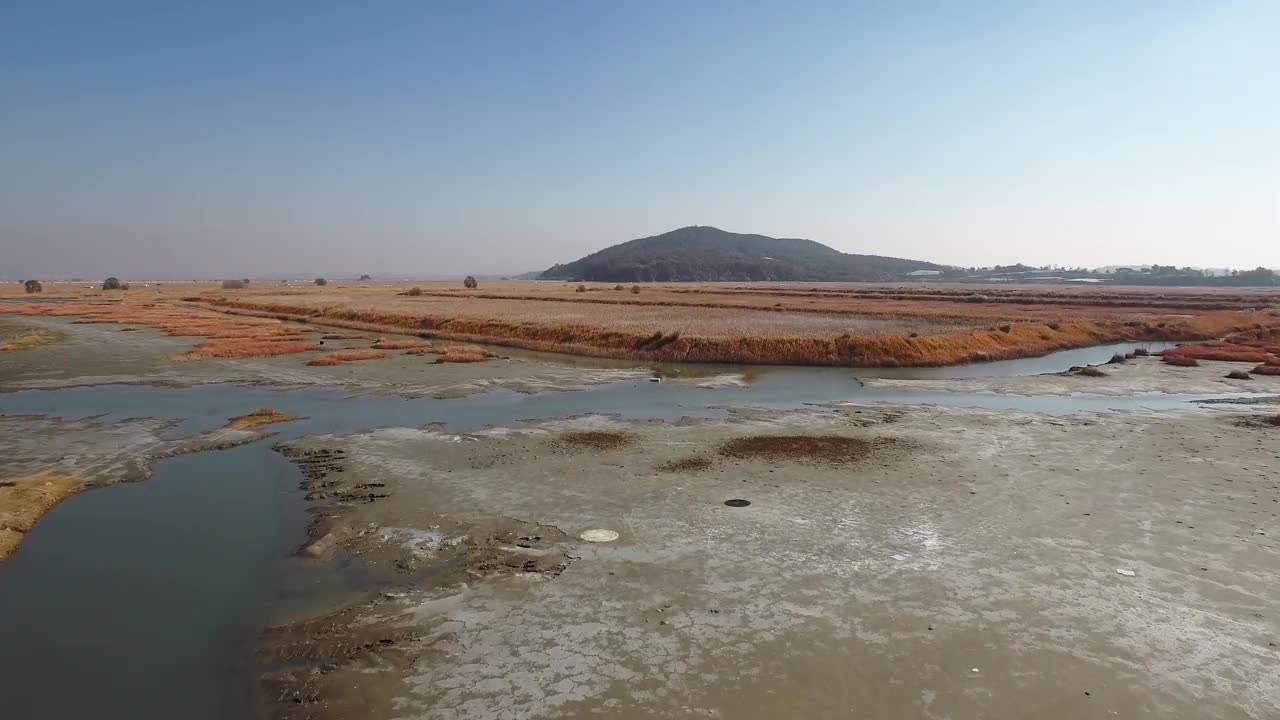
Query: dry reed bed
point(345, 356)
point(1003, 341)
point(223, 336)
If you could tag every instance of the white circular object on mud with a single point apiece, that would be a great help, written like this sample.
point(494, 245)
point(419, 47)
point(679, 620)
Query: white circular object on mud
point(599, 535)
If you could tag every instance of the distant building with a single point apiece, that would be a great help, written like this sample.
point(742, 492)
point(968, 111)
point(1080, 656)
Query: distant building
point(924, 273)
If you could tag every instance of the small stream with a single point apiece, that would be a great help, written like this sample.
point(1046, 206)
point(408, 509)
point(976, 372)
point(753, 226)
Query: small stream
point(144, 600)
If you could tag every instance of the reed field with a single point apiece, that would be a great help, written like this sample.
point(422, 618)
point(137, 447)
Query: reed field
point(846, 324)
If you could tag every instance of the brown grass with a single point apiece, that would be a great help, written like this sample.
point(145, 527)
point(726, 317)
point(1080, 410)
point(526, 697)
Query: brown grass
point(246, 348)
point(28, 339)
point(826, 449)
point(260, 417)
point(463, 354)
point(24, 500)
point(1181, 361)
point(342, 356)
point(765, 323)
point(689, 464)
point(224, 336)
point(594, 440)
point(1222, 351)
point(777, 325)
point(1266, 370)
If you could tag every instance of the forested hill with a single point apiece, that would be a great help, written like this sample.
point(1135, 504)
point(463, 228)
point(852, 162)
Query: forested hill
point(706, 254)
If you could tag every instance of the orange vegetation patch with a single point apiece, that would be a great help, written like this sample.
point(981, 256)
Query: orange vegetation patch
point(342, 356)
point(260, 417)
point(1222, 351)
point(881, 332)
point(225, 337)
point(1267, 369)
point(405, 344)
point(463, 354)
point(1181, 361)
point(25, 499)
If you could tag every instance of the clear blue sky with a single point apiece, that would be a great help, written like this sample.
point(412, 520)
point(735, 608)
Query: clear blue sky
point(442, 137)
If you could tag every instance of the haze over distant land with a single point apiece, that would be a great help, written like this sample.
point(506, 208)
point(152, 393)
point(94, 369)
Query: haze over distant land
point(153, 140)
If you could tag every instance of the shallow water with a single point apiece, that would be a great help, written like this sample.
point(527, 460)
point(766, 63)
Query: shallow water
point(145, 598)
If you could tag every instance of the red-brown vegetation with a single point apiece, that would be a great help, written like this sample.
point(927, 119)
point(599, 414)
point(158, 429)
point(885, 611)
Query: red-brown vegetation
point(463, 354)
point(1181, 361)
point(793, 323)
point(225, 337)
point(246, 348)
point(1222, 351)
point(1022, 339)
point(1266, 370)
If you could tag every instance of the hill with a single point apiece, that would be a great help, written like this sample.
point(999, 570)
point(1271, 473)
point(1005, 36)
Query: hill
point(706, 254)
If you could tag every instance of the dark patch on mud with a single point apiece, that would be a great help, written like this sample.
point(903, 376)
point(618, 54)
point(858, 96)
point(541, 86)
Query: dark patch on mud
point(594, 440)
point(332, 493)
point(824, 449)
point(689, 464)
point(737, 503)
point(1259, 400)
point(1259, 421)
point(307, 663)
point(349, 663)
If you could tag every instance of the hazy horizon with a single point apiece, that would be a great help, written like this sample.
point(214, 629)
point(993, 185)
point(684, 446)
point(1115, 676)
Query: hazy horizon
point(148, 140)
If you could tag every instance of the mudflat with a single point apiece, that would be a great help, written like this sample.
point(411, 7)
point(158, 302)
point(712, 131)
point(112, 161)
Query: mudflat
point(842, 558)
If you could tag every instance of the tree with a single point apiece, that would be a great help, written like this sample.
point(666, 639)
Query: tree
point(635, 289)
point(111, 283)
point(321, 282)
point(33, 286)
point(365, 277)
point(470, 283)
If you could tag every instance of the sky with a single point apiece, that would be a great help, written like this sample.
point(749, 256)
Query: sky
point(237, 139)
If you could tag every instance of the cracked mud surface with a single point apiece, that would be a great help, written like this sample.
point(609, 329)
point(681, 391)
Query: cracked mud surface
point(875, 588)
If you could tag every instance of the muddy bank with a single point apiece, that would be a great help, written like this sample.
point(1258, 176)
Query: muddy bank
point(1137, 376)
point(45, 460)
point(966, 570)
point(99, 354)
point(353, 660)
point(24, 499)
point(17, 337)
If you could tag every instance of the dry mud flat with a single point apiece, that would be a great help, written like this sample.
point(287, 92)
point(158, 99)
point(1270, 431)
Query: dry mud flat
point(904, 562)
